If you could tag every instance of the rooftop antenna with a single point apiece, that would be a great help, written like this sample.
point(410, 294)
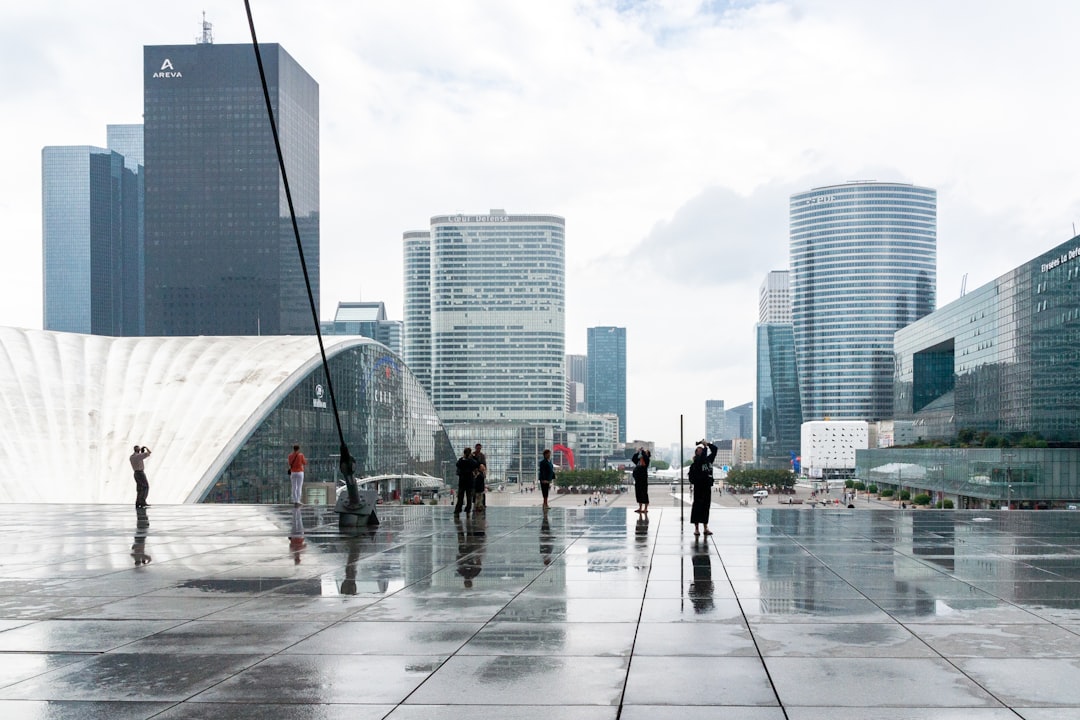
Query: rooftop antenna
point(207, 37)
point(963, 286)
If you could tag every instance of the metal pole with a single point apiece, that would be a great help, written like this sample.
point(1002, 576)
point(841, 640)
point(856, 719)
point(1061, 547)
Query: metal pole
point(682, 502)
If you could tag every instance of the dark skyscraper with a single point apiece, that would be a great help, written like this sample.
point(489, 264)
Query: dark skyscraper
point(605, 388)
point(221, 256)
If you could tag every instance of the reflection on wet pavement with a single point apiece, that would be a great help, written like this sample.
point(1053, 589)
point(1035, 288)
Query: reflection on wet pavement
point(250, 611)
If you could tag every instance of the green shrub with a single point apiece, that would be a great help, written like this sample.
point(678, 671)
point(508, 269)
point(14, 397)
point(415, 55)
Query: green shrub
point(859, 485)
point(848, 483)
point(886, 493)
point(905, 495)
point(921, 499)
point(944, 504)
point(871, 489)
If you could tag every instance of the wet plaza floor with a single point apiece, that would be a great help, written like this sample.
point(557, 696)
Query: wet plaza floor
point(201, 611)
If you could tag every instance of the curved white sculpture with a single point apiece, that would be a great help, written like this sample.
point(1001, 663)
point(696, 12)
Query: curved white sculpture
point(72, 407)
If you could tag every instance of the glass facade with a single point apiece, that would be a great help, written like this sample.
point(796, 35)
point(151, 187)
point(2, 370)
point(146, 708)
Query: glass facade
point(388, 422)
point(497, 307)
point(715, 420)
point(605, 386)
point(1004, 358)
point(778, 417)
point(92, 242)
point(221, 256)
point(863, 265)
point(1021, 478)
point(513, 450)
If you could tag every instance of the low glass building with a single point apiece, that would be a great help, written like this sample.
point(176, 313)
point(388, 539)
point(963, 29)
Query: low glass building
point(220, 415)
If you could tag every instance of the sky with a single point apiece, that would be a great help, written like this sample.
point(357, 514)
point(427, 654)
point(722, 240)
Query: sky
point(669, 135)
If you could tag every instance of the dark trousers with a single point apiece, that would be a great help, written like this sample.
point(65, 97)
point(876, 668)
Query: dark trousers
point(142, 488)
point(544, 489)
point(464, 494)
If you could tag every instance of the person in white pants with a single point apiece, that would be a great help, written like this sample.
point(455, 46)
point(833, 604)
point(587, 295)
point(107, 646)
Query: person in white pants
point(297, 463)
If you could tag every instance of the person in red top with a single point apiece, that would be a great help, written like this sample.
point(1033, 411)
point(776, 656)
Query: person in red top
point(297, 462)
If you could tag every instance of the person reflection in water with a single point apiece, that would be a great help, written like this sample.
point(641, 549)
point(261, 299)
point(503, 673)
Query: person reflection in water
point(701, 589)
point(547, 540)
point(471, 536)
point(296, 535)
point(142, 528)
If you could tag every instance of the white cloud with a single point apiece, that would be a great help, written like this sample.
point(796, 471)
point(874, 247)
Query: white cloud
point(668, 134)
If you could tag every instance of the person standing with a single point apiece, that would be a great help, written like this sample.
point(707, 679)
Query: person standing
point(701, 480)
point(297, 463)
point(545, 473)
point(480, 479)
point(142, 484)
point(466, 470)
point(641, 478)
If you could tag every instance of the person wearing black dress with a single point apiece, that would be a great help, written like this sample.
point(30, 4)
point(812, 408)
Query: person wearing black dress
point(701, 479)
point(641, 479)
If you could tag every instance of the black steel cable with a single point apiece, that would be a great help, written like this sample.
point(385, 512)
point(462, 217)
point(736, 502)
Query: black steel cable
point(346, 458)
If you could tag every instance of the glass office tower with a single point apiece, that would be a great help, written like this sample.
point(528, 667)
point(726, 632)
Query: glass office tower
point(221, 256)
point(778, 411)
point(605, 388)
point(91, 242)
point(417, 331)
point(863, 265)
point(497, 307)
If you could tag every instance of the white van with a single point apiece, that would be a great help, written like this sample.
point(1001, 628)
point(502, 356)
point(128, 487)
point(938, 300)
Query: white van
point(761, 495)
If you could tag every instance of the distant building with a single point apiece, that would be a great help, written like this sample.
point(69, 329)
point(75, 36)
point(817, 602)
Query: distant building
point(774, 298)
point(577, 369)
point(863, 265)
point(367, 319)
point(828, 447)
point(605, 388)
point(92, 253)
point(221, 255)
point(417, 327)
point(715, 420)
point(595, 438)
point(739, 421)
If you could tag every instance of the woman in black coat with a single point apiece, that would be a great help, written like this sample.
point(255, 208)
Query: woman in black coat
point(641, 479)
point(702, 481)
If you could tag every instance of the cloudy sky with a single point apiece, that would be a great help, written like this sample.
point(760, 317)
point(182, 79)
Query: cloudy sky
point(670, 136)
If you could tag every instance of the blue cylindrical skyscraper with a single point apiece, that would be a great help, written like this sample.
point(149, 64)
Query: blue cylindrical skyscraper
point(863, 265)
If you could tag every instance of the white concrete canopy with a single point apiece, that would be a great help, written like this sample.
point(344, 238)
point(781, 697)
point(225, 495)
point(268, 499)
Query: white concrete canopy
point(73, 406)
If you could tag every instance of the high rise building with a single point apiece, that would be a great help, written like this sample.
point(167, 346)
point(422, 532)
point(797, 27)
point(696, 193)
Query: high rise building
point(91, 241)
point(577, 370)
point(221, 256)
point(863, 265)
point(605, 385)
point(715, 420)
point(128, 141)
point(774, 298)
point(497, 304)
point(417, 340)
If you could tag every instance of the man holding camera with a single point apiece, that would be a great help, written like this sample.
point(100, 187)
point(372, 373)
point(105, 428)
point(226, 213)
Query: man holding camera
point(142, 485)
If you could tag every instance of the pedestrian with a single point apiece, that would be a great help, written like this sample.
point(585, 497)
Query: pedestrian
point(480, 479)
point(701, 480)
point(466, 470)
point(641, 478)
point(297, 463)
point(142, 484)
point(545, 473)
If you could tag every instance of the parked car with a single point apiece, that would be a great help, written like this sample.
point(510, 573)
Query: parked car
point(761, 495)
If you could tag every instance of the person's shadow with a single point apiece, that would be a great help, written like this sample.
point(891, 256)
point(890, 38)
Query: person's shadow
point(471, 536)
point(142, 529)
point(701, 589)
